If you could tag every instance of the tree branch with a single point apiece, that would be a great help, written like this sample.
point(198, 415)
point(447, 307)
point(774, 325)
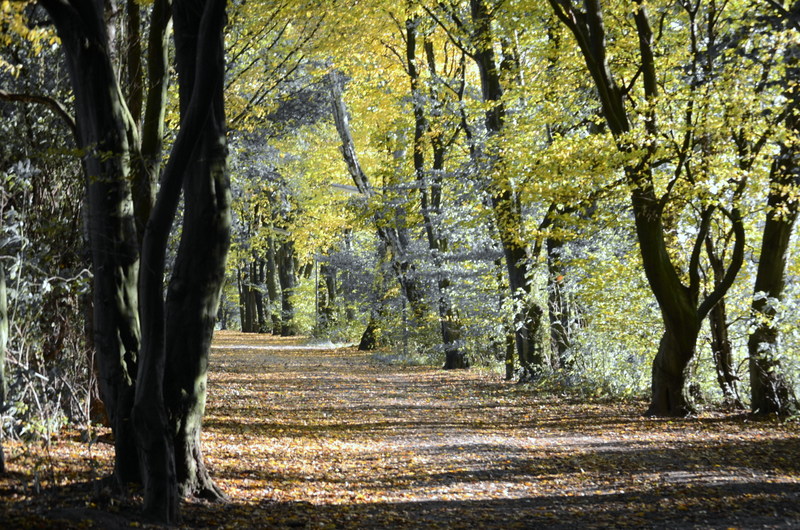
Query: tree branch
point(56, 106)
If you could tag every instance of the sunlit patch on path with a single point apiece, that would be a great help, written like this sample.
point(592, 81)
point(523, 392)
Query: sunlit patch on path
point(311, 437)
point(329, 436)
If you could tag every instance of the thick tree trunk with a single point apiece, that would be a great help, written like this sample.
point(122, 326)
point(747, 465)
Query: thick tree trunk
point(195, 286)
point(675, 350)
point(286, 276)
point(103, 127)
point(370, 339)
point(273, 289)
point(770, 390)
point(723, 355)
point(679, 305)
point(327, 306)
point(505, 204)
point(195, 165)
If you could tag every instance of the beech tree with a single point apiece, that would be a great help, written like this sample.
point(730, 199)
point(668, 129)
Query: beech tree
point(637, 135)
point(156, 419)
point(431, 181)
point(770, 391)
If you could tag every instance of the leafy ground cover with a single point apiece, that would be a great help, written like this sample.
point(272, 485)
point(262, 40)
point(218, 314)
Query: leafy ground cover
point(312, 437)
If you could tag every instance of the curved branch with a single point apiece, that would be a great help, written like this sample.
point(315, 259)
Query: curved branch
point(733, 269)
point(56, 106)
point(694, 261)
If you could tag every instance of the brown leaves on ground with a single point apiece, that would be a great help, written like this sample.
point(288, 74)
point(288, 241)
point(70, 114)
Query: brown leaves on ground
point(303, 437)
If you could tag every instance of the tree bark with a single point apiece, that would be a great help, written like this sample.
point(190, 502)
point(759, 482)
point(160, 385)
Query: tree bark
point(273, 288)
point(721, 348)
point(327, 306)
point(675, 350)
point(199, 57)
point(103, 126)
point(258, 271)
point(430, 203)
point(771, 393)
point(146, 135)
point(506, 205)
point(286, 276)
point(195, 286)
point(558, 304)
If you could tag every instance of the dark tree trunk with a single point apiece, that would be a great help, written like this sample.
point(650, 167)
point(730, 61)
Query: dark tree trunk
point(720, 343)
point(195, 286)
point(771, 393)
point(3, 342)
point(558, 304)
point(148, 145)
point(723, 355)
point(197, 165)
point(430, 202)
point(327, 306)
point(510, 348)
point(258, 273)
point(675, 350)
point(286, 276)
point(272, 288)
point(370, 339)
point(103, 128)
point(505, 204)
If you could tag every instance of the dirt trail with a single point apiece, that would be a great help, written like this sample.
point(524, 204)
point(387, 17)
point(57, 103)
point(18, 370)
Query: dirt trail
point(313, 437)
point(317, 437)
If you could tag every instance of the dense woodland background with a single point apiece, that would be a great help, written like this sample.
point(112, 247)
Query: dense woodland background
point(594, 198)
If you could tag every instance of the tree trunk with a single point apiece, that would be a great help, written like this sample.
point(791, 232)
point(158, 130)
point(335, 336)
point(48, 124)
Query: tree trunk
point(258, 273)
point(272, 288)
point(680, 310)
point(675, 350)
point(327, 307)
point(505, 204)
point(242, 290)
point(721, 348)
point(286, 276)
point(370, 339)
point(430, 202)
point(558, 304)
point(195, 286)
point(723, 355)
point(770, 390)
point(103, 127)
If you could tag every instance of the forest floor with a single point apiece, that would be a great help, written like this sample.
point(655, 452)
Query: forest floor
point(307, 437)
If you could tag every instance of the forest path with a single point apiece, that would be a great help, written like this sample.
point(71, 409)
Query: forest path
point(315, 437)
